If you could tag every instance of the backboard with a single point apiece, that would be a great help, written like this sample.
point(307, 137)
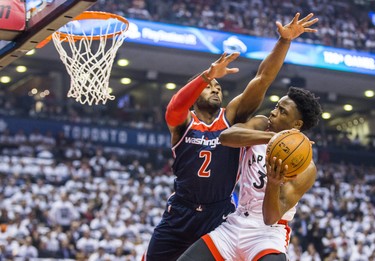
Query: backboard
point(43, 17)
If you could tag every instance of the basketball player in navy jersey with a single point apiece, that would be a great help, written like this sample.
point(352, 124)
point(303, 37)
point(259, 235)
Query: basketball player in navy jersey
point(206, 171)
point(259, 230)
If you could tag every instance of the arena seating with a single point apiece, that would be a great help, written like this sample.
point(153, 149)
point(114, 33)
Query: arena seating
point(96, 202)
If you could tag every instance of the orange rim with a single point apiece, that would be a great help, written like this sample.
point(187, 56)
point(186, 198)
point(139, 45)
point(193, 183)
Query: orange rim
point(94, 15)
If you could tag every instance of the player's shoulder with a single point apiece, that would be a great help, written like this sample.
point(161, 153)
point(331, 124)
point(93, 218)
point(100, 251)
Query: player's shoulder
point(260, 118)
point(258, 122)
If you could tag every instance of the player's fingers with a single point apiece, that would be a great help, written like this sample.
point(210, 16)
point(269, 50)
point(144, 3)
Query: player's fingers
point(310, 23)
point(277, 167)
point(306, 18)
point(285, 169)
point(309, 30)
point(222, 57)
point(280, 167)
point(269, 167)
point(233, 70)
point(233, 56)
point(272, 166)
point(296, 17)
point(279, 25)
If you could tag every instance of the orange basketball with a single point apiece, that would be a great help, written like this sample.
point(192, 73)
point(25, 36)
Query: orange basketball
point(293, 148)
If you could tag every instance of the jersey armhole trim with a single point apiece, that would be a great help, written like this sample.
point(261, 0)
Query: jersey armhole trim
point(183, 136)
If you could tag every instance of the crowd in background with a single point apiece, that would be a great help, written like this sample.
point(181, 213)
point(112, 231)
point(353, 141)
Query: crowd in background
point(72, 199)
point(342, 23)
point(77, 200)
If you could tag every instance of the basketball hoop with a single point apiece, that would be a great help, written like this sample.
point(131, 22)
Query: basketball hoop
point(89, 68)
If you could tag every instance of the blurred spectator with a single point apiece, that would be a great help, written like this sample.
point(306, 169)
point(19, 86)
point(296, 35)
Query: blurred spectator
point(63, 212)
point(343, 24)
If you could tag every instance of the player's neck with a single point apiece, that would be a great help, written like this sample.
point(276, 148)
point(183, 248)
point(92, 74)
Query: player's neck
point(207, 116)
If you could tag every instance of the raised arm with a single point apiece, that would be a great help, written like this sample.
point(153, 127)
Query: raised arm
point(177, 114)
point(242, 106)
point(247, 134)
point(282, 194)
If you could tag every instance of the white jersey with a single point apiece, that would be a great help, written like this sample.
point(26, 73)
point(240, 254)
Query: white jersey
point(253, 182)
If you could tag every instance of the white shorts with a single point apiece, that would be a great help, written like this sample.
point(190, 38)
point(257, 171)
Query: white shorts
point(248, 238)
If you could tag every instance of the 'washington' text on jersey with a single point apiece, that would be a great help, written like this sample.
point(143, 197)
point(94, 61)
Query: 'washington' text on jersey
point(202, 141)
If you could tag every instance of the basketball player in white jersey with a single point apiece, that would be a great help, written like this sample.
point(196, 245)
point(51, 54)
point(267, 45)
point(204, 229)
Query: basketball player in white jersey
point(259, 230)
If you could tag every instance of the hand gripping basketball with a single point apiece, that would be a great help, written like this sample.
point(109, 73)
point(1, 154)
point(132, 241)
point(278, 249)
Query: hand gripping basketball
point(293, 148)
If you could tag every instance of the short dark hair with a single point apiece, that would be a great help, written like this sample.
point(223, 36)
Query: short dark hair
point(307, 105)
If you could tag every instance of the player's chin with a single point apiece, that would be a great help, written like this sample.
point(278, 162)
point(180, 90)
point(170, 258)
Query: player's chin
point(216, 104)
point(272, 128)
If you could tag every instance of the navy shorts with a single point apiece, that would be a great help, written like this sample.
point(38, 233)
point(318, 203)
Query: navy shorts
point(182, 224)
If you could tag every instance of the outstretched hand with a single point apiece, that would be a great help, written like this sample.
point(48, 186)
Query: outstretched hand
point(296, 27)
point(219, 68)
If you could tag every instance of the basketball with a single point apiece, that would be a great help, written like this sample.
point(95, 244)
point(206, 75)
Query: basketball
point(293, 148)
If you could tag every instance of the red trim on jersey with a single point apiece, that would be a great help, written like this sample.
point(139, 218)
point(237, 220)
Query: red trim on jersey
point(288, 230)
point(265, 252)
point(203, 127)
point(211, 245)
point(218, 124)
point(273, 251)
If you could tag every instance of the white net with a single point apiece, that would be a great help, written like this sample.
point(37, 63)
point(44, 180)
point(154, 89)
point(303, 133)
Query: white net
point(90, 67)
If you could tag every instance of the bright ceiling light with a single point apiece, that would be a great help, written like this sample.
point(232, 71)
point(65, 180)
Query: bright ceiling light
point(122, 62)
point(348, 107)
point(274, 98)
point(125, 80)
point(34, 91)
point(31, 52)
point(5, 79)
point(21, 68)
point(170, 86)
point(369, 93)
point(326, 115)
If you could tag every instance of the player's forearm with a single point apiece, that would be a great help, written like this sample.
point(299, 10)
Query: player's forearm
point(272, 64)
point(178, 107)
point(271, 204)
point(237, 137)
point(256, 89)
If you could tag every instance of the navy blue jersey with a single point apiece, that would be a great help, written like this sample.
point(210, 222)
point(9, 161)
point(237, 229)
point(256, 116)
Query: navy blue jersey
point(206, 171)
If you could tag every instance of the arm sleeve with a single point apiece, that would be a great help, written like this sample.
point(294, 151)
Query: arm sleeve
point(178, 107)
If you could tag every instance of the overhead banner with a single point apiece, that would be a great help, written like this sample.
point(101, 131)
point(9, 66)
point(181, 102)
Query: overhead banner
point(116, 137)
point(12, 15)
point(202, 40)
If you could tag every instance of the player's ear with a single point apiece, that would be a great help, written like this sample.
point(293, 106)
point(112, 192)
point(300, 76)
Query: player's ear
point(298, 124)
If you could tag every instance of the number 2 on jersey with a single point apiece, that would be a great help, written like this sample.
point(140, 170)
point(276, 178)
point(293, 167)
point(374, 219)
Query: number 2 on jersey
point(203, 171)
